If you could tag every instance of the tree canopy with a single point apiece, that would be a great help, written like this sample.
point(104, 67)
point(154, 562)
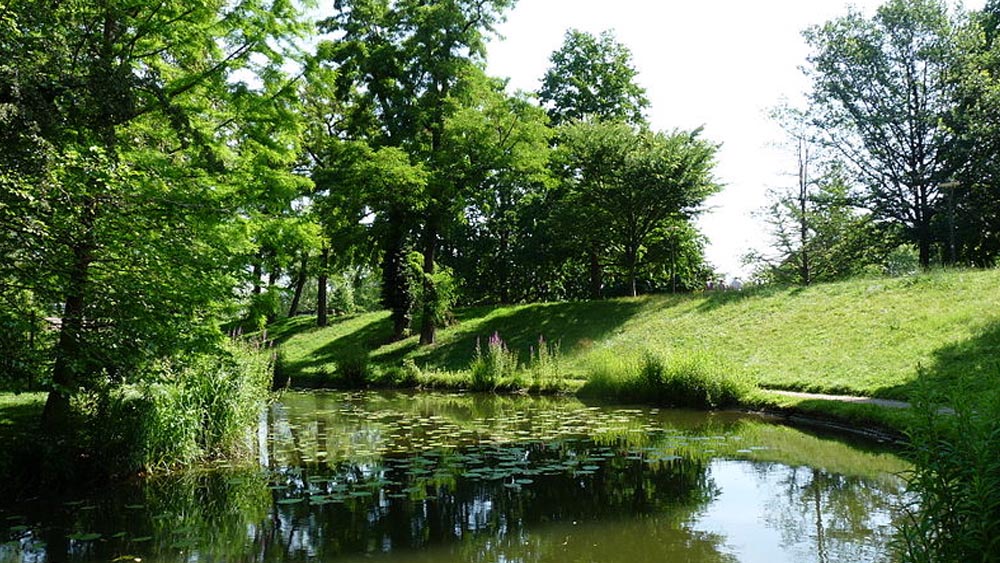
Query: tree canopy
point(882, 89)
point(592, 77)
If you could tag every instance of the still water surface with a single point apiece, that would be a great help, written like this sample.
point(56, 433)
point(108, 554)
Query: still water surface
point(402, 477)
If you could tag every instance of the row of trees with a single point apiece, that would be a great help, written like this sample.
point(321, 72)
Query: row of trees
point(897, 144)
point(452, 188)
point(163, 171)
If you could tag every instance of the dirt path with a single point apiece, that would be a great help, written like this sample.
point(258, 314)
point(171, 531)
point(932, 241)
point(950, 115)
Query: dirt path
point(844, 399)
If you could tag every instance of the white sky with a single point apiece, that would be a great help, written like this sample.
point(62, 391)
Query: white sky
point(721, 64)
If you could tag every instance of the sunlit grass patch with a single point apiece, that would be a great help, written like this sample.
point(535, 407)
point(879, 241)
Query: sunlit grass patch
point(866, 336)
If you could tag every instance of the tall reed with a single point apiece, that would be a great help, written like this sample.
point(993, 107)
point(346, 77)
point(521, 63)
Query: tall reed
point(955, 483)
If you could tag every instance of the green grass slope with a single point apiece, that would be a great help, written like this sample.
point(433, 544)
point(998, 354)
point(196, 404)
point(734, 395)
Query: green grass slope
point(866, 336)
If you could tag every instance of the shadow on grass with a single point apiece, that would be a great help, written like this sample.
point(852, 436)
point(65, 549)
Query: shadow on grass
point(281, 331)
point(20, 434)
point(971, 367)
point(368, 337)
point(574, 326)
point(717, 299)
point(20, 419)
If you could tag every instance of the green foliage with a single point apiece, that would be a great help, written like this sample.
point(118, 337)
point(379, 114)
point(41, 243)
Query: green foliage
point(493, 365)
point(881, 90)
point(679, 379)
point(820, 230)
point(904, 260)
point(132, 162)
point(955, 515)
point(179, 411)
point(354, 368)
point(263, 309)
point(641, 187)
point(24, 338)
point(592, 78)
point(434, 294)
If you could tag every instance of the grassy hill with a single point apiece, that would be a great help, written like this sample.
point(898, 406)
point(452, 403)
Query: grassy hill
point(874, 337)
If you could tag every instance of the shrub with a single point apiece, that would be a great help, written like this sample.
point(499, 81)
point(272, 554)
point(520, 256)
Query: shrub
point(689, 380)
point(178, 410)
point(904, 260)
point(545, 364)
point(355, 369)
point(263, 309)
point(955, 481)
point(405, 375)
point(493, 365)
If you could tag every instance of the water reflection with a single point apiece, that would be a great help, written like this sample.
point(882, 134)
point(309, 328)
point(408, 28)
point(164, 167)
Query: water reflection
point(441, 477)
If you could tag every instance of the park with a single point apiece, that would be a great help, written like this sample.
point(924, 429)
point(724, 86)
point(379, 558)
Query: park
point(307, 281)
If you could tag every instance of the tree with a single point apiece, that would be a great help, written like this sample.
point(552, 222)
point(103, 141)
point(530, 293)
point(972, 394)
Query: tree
point(496, 148)
point(969, 212)
point(120, 129)
point(592, 77)
point(355, 182)
point(398, 64)
point(881, 89)
point(820, 234)
point(632, 184)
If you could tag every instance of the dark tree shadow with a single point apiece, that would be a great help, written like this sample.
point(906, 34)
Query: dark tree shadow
point(972, 366)
point(573, 326)
point(278, 333)
point(367, 338)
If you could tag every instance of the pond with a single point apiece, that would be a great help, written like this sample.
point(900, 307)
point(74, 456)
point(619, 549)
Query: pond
point(439, 477)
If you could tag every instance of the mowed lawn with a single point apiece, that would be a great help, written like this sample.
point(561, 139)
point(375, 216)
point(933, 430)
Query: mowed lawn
point(864, 336)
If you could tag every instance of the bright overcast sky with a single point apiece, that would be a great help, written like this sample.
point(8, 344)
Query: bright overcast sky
point(721, 64)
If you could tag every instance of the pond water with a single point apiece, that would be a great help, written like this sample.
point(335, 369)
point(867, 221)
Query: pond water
point(403, 477)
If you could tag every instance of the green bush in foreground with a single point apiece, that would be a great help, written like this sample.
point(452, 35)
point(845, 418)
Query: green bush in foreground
point(354, 369)
point(689, 380)
point(498, 368)
point(955, 481)
point(491, 366)
point(180, 411)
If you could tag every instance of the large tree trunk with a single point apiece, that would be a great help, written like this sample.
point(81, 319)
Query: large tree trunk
point(632, 258)
point(924, 247)
point(396, 294)
point(321, 306)
point(503, 276)
point(428, 326)
point(69, 360)
point(300, 284)
point(923, 226)
point(596, 281)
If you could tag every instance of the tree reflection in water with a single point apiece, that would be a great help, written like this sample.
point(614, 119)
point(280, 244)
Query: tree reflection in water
point(350, 477)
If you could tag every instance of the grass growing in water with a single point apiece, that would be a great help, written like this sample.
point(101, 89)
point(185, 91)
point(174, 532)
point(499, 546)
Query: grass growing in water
point(688, 380)
point(180, 411)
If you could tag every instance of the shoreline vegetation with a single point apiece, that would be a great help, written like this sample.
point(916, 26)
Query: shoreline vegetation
point(896, 338)
point(930, 339)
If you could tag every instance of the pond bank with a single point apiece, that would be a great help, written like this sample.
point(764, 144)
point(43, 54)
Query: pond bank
point(437, 476)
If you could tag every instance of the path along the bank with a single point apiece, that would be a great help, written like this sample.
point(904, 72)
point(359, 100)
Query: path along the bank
point(888, 403)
